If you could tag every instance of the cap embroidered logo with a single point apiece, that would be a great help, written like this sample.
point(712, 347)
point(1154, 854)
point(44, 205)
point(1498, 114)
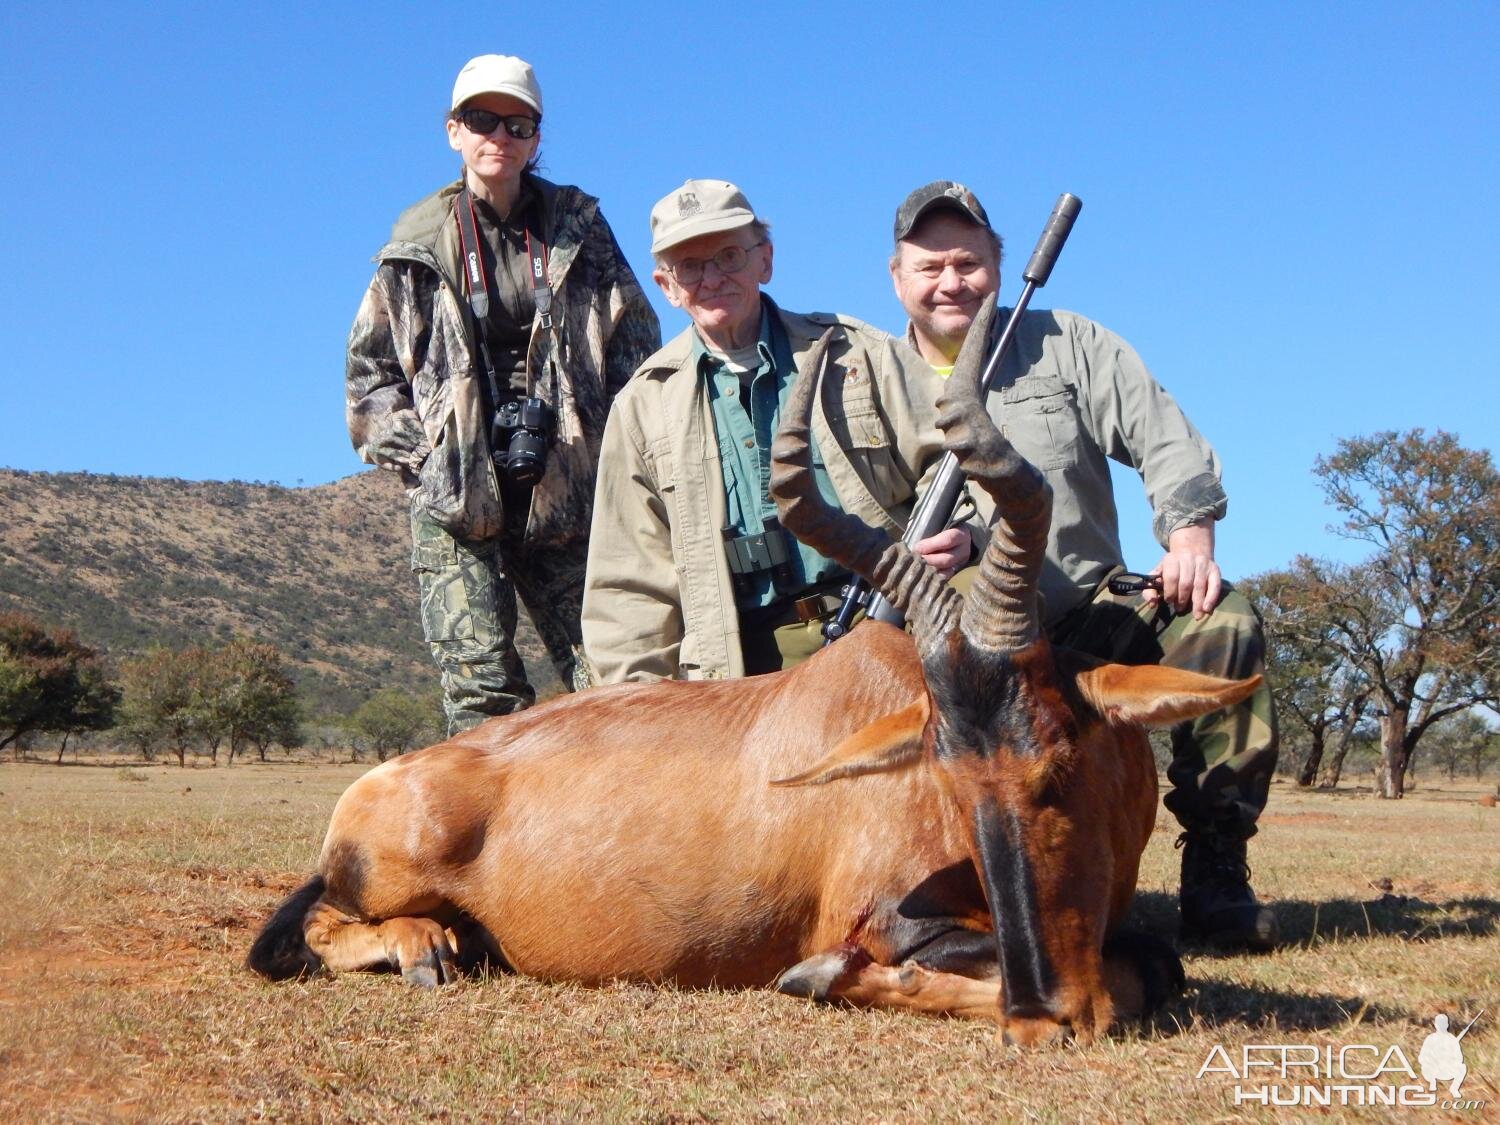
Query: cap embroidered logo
point(964, 196)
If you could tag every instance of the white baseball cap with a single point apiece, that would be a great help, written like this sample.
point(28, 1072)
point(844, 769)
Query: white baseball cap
point(497, 74)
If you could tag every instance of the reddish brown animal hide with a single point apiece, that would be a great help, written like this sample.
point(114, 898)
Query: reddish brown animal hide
point(635, 832)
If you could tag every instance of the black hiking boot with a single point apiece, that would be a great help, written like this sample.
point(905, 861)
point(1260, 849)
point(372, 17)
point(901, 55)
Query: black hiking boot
point(1218, 907)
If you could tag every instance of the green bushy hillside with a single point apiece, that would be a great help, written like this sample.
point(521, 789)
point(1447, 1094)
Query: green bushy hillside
point(322, 573)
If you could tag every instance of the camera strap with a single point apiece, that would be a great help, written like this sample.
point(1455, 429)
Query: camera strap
point(541, 290)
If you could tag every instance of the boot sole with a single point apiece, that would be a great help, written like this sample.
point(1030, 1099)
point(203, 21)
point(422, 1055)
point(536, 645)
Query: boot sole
point(1263, 939)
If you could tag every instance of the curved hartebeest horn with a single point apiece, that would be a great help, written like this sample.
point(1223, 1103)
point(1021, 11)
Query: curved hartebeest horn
point(1001, 612)
point(904, 580)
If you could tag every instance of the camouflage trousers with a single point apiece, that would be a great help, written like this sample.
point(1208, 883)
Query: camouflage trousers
point(1221, 766)
point(469, 594)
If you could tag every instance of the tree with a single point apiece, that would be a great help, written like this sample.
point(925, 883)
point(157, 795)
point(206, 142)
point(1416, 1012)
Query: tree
point(97, 704)
point(1483, 753)
point(240, 694)
point(392, 722)
point(164, 701)
point(250, 697)
point(1420, 618)
point(1464, 739)
point(50, 681)
point(1315, 686)
point(1362, 731)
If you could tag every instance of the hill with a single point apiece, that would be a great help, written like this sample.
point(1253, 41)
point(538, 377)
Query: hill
point(322, 573)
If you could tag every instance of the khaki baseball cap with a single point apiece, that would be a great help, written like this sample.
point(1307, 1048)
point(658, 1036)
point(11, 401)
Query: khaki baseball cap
point(698, 207)
point(938, 194)
point(497, 74)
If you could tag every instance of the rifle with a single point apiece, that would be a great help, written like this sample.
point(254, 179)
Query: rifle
point(935, 508)
point(1470, 1024)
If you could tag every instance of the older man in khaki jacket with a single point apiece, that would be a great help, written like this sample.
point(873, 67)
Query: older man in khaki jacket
point(689, 575)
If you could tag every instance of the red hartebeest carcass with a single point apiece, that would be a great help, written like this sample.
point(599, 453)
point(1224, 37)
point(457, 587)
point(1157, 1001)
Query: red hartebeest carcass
point(969, 845)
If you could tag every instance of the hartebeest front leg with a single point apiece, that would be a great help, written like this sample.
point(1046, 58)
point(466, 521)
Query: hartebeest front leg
point(957, 975)
point(847, 973)
point(420, 947)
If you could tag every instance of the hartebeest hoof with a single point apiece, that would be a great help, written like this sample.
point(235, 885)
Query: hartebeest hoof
point(420, 948)
point(818, 976)
point(1041, 1032)
point(429, 973)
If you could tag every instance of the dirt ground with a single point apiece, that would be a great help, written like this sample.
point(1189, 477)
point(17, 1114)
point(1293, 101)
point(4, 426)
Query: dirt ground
point(134, 891)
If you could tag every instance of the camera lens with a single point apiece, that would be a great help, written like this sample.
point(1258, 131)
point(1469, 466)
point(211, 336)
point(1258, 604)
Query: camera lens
point(526, 459)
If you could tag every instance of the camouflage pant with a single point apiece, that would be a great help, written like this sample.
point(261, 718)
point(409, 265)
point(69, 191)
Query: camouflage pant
point(1221, 763)
point(469, 616)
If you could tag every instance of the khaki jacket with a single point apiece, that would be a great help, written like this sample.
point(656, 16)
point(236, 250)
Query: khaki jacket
point(658, 603)
point(414, 397)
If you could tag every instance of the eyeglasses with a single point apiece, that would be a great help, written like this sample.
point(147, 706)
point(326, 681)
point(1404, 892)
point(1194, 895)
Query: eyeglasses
point(483, 122)
point(731, 259)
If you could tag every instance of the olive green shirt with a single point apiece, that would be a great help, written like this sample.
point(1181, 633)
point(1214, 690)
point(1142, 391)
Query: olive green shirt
point(507, 270)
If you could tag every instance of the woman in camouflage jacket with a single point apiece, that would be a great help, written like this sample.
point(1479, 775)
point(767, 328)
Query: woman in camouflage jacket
point(417, 401)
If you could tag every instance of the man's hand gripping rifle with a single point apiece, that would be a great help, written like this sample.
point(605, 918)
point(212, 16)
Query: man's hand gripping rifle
point(935, 509)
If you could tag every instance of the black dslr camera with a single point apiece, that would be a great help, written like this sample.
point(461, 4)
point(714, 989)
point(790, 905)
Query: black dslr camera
point(523, 430)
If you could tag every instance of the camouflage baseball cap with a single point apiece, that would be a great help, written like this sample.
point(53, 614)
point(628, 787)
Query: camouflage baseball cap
point(939, 193)
point(698, 207)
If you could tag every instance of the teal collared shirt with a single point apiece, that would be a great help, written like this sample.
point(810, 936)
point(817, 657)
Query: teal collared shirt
point(744, 439)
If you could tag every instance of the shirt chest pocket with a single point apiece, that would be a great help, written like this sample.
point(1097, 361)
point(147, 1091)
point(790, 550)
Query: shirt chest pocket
point(869, 447)
point(1039, 414)
point(861, 432)
point(734, 498)
point(663, 470)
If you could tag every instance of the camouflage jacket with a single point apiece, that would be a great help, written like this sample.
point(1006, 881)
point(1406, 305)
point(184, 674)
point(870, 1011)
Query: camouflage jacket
point(414, 396)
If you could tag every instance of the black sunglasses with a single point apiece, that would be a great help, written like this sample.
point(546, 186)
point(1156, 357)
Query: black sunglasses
point(483, 122)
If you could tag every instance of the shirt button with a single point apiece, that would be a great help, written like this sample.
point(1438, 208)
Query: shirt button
point(749, 443)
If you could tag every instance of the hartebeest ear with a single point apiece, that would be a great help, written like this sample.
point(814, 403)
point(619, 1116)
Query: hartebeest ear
point(890, 743)
point(1152, 696)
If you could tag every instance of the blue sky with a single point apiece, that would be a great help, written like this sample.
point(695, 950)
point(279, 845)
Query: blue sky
point(1290, 210)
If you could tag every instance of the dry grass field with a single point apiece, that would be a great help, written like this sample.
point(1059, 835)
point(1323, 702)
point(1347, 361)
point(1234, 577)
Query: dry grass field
point(133, 892)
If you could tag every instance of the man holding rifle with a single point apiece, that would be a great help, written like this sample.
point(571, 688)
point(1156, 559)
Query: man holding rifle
point(1069, 395)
